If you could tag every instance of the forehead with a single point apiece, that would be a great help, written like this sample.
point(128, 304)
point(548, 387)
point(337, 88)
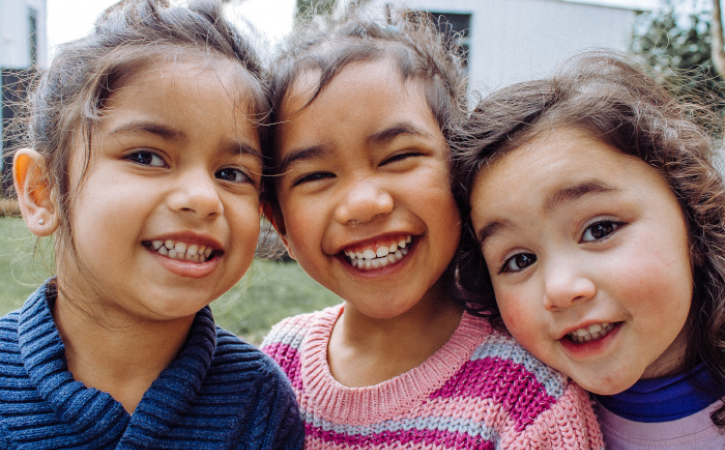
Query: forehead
point(363, 98)
point(554, 162)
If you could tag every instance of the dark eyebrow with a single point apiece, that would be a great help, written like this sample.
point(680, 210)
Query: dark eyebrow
point(240, 148)
point(490, 229)
point(575, 193)
point(390, 133)
point(316, 151)
point(152, 128)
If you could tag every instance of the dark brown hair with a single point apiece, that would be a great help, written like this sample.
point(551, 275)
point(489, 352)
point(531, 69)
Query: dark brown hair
point(68, 99)
point(610, 98)
point(411, 39)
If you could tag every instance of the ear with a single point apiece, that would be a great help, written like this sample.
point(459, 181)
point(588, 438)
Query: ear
point(275, 217)
point(35, 196)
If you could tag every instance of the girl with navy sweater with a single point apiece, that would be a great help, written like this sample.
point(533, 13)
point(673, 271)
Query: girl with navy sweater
point(144, 166)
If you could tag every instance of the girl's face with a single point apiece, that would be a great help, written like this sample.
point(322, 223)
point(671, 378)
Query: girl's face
point(365, 199)
point(588, 253)
point(174, 161)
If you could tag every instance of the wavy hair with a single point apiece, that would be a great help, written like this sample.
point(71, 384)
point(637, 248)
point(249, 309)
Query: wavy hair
point(612, 99)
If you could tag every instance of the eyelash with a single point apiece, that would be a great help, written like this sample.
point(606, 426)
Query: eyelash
point(245, 177)
point(133, 158)
point(524, 260)
point(316, 176)
point(608, 226)
point(400, 157)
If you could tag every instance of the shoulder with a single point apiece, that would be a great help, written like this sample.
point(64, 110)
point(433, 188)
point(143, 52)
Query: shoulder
point(542, 405)
point(505, 361)
point(286, 337)
point(240, 359)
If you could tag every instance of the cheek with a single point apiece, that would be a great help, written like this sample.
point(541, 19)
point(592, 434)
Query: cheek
point(518, 318)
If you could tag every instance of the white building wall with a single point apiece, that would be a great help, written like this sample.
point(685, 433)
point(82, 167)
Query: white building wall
point(15, 32)
point(517, 40)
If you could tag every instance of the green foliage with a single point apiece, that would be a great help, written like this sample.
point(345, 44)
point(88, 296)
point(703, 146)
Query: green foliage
point(678, 48)
point(268, 293)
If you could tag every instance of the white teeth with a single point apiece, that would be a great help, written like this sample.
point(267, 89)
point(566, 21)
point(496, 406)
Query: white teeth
point(381, 257)
point(182, 250)
point(591, 332)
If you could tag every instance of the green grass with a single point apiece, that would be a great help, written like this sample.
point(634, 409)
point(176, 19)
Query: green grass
point(268, 293)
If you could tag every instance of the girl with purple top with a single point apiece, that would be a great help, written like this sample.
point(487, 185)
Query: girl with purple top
point(596, 216)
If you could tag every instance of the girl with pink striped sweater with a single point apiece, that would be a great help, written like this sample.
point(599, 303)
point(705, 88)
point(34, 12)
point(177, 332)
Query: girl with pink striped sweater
point(362, 200)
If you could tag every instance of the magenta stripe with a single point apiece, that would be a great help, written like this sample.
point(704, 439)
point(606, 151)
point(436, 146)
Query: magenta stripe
point(515, 388)
point(442, 439)
point(289, 359)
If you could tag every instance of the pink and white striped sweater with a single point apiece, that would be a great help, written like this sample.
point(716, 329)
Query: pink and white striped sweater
point(480, 391)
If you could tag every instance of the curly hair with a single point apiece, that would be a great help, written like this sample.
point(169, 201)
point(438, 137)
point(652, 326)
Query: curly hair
point(609, 97)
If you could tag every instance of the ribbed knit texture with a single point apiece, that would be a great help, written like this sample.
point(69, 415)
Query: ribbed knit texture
point(481, 390)
point(220, 393)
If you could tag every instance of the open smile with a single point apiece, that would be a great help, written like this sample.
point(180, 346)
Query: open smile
point(183, 251)
point(371, 256)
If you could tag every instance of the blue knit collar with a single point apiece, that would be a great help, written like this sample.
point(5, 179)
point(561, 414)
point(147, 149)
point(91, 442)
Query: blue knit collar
point(664, 399)
point(43, 354)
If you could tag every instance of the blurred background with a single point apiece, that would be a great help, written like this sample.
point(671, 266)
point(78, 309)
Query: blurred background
point(505, 41)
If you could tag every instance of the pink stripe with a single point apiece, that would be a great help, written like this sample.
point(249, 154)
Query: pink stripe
point(289, 359)
point(516, 389)
point(442, 439)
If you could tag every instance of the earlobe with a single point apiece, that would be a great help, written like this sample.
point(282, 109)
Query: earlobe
point(35, 196)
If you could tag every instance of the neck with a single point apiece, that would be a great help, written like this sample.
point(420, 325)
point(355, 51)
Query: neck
point(364, 351)
point(115, 354)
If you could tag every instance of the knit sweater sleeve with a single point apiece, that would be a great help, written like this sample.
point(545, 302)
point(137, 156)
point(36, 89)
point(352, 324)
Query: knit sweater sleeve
point(568, 424)
point(285, 418)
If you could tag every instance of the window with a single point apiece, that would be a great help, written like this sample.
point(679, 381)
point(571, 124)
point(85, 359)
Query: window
point(458, 25)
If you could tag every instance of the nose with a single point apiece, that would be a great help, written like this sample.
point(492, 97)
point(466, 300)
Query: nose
point(195, 192)
point(566, 284)
point(364, 200)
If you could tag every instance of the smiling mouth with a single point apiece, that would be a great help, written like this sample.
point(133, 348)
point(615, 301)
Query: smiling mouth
point(591, 333)
point(371, 257)
point(183, 251)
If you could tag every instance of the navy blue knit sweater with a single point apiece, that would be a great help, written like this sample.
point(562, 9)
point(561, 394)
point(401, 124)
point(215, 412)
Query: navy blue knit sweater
point(219, 393)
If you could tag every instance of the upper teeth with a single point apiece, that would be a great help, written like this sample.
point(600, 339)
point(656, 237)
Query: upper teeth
point(381, 257)
point(594, 331)
point(182, 250)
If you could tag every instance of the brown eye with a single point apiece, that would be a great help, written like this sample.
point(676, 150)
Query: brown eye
point(599, 230)
point(518, 262)
point(146, 158)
